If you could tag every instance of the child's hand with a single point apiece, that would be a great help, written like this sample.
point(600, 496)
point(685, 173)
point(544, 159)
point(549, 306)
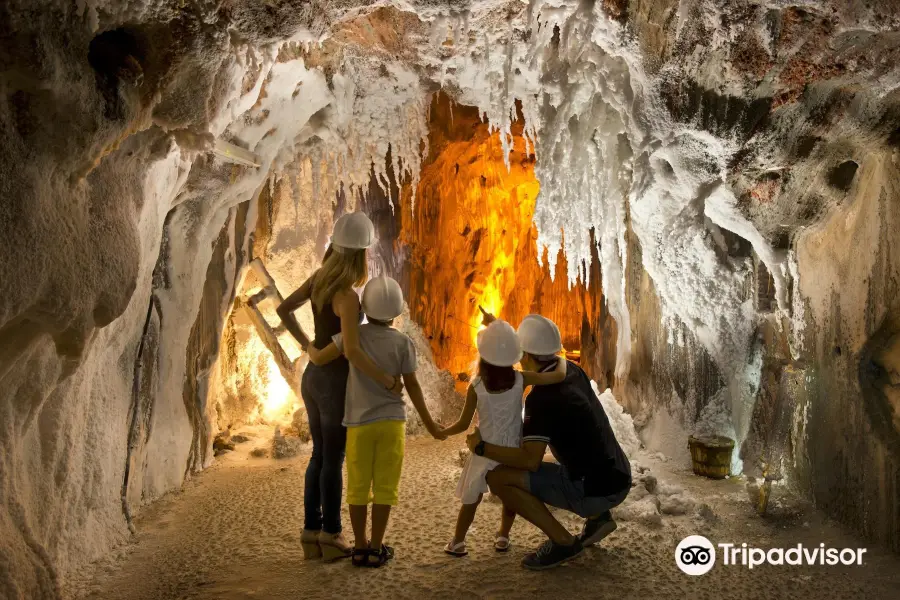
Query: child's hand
point(486, 317)
point(437, 432)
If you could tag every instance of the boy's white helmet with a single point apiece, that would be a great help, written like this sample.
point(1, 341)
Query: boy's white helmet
point(539, 336)
point(353, 231)
point(499, 345)
point(382, 299)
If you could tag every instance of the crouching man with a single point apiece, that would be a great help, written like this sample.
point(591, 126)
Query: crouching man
point(592, 474)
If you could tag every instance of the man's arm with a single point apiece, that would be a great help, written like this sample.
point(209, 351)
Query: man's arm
point(418, 401)
point(286, 310)
point(557, 375)
point(528, 457)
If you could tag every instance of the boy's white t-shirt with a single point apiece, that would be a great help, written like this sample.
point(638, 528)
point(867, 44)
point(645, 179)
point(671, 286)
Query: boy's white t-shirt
point(367, 400)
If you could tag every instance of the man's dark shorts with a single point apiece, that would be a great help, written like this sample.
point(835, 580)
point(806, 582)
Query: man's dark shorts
point(551, 485)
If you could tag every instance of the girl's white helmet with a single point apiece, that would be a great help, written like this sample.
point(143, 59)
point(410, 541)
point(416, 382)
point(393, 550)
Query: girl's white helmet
point(382, 299)
point(499, 345)
point(539, 336)
point(353, 231)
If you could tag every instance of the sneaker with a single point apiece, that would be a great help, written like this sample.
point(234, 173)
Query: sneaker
point(550, 555)
point(597, 528)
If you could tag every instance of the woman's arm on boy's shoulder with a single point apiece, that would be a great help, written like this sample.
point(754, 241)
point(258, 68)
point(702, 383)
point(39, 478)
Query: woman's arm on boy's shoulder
point(347, 305)
point(550, 377)
point(323, 356)
point(468, 411)
point(418, 400)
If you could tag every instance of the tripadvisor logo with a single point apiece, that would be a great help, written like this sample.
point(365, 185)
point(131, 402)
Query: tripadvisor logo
point(696, 555)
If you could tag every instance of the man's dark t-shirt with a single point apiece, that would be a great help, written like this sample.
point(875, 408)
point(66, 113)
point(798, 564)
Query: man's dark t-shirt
point(568, 416)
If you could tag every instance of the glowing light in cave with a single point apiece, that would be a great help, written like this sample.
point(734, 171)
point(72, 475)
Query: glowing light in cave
point(510, 204)
point(258, 376)
point(276, 397)
point(472, 242)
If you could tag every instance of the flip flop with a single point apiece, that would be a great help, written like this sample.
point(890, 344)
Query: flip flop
point(501, 544)
point(458, 550)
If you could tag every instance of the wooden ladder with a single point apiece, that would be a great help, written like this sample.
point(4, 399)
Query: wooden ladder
point(267, 333)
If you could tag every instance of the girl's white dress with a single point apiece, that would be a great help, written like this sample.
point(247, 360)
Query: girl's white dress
point(500, 423)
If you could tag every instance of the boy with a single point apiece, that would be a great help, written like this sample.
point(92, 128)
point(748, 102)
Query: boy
point(375, 418)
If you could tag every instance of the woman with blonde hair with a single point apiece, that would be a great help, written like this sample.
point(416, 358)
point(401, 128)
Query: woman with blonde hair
point(335, 308)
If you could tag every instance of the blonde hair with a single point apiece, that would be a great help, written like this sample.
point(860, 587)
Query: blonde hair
point(343, 268)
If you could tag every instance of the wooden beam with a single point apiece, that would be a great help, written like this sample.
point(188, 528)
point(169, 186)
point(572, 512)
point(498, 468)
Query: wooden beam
point(268, 283)
point(270, 339)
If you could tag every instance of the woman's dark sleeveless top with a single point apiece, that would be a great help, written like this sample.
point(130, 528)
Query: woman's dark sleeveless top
point(327, 325)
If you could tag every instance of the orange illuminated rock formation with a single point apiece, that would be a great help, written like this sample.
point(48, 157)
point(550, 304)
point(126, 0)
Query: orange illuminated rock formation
point(471, 240)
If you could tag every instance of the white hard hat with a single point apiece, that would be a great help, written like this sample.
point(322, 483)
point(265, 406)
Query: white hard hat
point(539, 336)
point(499, 345)
point(353, 231)
point(382, 299)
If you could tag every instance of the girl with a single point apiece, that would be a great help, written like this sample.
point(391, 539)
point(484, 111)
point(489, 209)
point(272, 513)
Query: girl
point(497, 392)
point(335, 308)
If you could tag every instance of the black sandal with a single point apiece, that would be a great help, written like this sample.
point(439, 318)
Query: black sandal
point(385, 554)
point(360, 557)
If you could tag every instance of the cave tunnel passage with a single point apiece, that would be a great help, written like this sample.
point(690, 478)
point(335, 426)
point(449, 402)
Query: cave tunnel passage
point(170, 171)
point(469, 242)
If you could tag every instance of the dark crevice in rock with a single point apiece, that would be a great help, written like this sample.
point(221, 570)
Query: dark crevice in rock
point(116, 56)
point(841, 177)
point(143, 394)
point(719, 113)
point(880, 383)
point(805, 145)
point(894, 138)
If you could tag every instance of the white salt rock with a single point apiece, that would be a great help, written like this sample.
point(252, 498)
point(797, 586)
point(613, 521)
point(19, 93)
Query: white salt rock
point(645, 511)
point(677, 504)
point(621, 422)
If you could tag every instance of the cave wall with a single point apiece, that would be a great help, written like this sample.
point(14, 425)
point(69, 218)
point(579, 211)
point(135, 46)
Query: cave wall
point(67, 400)
point(800, 93)
point(848, 450)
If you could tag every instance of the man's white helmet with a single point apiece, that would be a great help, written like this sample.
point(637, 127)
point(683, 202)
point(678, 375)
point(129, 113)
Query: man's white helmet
point(499, 345)
point(382, 299)
point(353, 231)
point(539, 336)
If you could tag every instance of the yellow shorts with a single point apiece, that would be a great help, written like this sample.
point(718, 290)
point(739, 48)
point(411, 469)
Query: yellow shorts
point(374, 461)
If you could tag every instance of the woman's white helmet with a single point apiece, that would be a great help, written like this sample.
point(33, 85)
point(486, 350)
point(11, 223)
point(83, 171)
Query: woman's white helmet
point(499, 345)
point(353, 231)
point(382, 299)
point(539, 336)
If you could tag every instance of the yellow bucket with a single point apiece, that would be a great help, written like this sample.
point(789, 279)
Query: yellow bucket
point(711, 455)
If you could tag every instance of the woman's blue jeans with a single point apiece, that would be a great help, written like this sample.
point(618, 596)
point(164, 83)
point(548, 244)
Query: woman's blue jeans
point(323, 389)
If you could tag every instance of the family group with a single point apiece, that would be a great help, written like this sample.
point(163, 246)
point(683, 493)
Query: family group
point(352, 390)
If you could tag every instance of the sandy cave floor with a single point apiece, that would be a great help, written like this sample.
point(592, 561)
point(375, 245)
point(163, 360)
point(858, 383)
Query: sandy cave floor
point(233, 533)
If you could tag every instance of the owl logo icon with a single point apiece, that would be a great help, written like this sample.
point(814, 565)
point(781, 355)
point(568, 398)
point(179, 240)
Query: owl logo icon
point(695, 555)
